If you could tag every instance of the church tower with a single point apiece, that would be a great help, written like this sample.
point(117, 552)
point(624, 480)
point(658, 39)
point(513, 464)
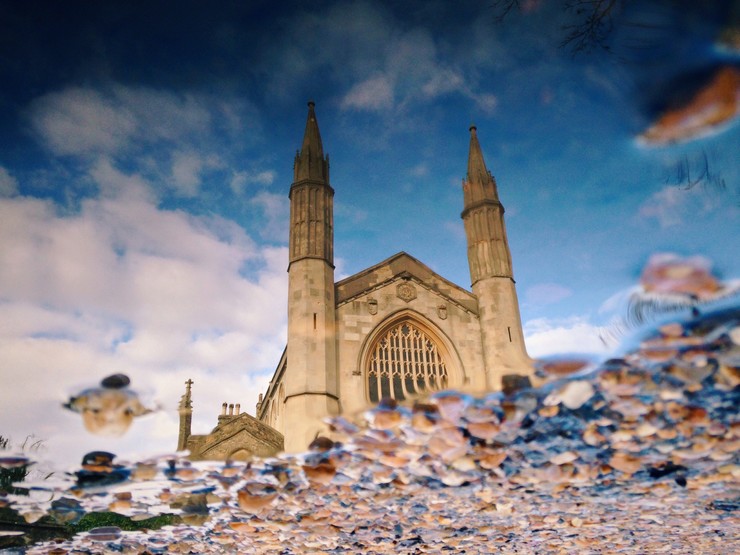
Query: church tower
point(185, 409)
point(311, 379)
point(491, 273)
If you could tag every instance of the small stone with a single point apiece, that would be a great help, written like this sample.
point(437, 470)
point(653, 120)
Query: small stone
point(321, 444)
point(484, 430)
point(734, 335)
point(321, 473)
point(115, 381)
point(573, 395)
point(451, 405)
point(511, 383)
point(548, 412)
point(626, 463)
point(254, 498)
point(564, 458)
point(492, 460)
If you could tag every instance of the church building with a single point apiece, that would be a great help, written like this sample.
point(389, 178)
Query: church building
point(396, 329)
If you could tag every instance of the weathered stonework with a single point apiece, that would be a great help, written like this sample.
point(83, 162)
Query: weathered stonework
point(238, 436)
point(405, 291)
point(395, 327)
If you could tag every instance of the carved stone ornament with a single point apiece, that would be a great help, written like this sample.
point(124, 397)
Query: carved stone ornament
point(442, 312)
point(372, 306)
point(405, 291)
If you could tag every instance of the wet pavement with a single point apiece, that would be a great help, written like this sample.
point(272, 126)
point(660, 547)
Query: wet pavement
point(637, 455)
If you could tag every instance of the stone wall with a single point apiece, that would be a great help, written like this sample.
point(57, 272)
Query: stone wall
point(241, 432)
point(403, 287)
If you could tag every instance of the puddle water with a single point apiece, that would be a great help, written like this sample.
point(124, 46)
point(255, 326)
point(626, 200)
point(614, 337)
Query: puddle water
point(139, 213)
point(599, 457)
point(109, 409)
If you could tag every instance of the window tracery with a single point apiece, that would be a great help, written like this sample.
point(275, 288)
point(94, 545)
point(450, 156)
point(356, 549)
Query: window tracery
point(403, 362)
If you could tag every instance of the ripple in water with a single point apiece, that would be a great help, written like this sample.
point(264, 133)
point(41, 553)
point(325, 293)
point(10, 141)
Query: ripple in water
point(634, 453)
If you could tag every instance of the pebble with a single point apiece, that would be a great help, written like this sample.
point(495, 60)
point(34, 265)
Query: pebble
point(110, 409)
point(634, 457)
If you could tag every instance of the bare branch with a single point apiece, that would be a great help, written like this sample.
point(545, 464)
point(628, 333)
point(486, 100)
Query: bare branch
point(594, 30)
point(689, 174)
point(502, 8)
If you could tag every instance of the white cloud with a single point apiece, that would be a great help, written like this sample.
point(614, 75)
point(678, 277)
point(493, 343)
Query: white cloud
point(241, 179)
point(372, 94)
point(673, 206)
point(420, 170)
point(186, 172)
point(443, 82)
point(80, 121)
point(277, 213)
point(8, 183)
point(545, 336)
point(84, 121)
point(349, 213)
point(175, 140)
point(122, 286)
point(446, 81)
point(486, 102)
point(413, 71)
point(380, 62)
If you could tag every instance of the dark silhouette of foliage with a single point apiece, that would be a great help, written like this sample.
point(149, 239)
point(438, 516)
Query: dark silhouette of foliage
point(691, 173)
point(594, 21)
point(595, 25)
point(9, 476)
point(502, 8)
point(96, 520)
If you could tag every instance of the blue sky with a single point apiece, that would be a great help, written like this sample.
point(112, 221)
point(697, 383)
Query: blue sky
point(147, 154)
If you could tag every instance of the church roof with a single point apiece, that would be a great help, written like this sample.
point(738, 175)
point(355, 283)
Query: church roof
point(239, 431)
point(402, 266)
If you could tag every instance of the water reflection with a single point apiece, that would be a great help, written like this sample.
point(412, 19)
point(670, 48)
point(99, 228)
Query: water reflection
point(110, 409)
point(644, 442)
point(656, 436)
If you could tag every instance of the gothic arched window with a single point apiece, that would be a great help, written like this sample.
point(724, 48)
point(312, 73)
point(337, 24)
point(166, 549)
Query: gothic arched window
point(404, 361)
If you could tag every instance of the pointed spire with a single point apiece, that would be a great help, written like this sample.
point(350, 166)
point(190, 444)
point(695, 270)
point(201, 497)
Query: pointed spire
point(476, 164)
point(186, 401)
point(312, 137)
point(186, 416)
point(479, 179)
point(310, 162)
point(483, 214)
point(311, 199)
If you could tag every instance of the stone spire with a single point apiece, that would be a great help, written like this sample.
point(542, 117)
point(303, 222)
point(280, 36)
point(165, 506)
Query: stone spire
point(311, 199)
point(491, 273)
point(186, 416)
point(481, 184)
point(309, 161)
point(483, 214)
point(186, 401)
point(311, 378)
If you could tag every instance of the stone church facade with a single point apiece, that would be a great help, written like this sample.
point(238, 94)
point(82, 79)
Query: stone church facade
point(396, 329)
